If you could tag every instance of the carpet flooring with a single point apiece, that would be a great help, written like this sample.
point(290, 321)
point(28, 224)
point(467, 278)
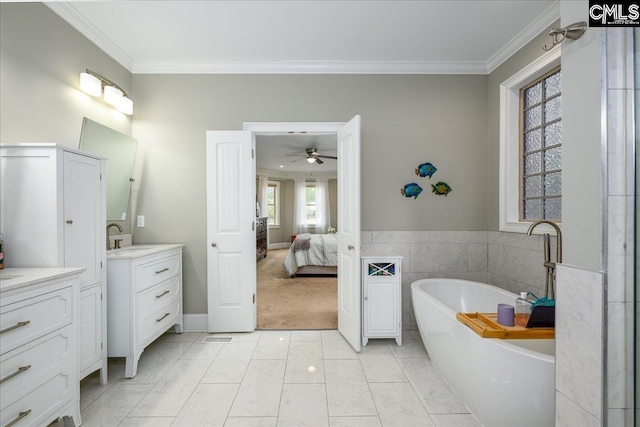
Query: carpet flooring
point(294, 303)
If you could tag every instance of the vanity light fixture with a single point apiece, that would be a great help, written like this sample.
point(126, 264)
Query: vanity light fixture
point(95, 84)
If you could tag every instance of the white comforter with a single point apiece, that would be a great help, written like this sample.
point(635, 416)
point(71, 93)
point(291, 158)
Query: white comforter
point(323, 251)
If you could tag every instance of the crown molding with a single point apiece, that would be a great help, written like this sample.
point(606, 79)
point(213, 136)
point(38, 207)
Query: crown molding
point(541, 23)
point(309, 67)
point(67, 12)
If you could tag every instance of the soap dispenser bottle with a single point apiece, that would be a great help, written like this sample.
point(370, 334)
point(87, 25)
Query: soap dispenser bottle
point(523, 310)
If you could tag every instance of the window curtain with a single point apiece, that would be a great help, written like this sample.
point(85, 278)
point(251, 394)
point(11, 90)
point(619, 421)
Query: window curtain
point(263, 186)
point(323, 217)
point(300, 206)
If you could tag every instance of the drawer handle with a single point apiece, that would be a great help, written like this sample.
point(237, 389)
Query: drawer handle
point(162, 294)
point(165, 315)
point(163, 270)
point(16, 326)
point(21, 415)
point(16, 373)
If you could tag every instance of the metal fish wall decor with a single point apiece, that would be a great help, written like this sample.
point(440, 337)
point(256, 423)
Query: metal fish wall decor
point(426, 169)
point(411, 190)
point(441, 188)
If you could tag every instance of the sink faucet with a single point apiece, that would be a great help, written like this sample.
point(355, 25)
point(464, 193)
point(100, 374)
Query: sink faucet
point(550, 279)
point(113, 224)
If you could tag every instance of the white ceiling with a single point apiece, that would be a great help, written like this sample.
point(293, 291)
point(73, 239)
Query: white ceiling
point(272, 151)
point(265, 36)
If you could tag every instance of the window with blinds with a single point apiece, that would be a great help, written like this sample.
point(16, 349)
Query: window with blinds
point(541, 148)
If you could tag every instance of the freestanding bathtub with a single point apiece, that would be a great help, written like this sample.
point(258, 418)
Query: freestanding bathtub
point(503, 382)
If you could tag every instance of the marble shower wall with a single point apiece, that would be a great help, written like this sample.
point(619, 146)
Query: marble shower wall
point(579, 347)
point(620, 224)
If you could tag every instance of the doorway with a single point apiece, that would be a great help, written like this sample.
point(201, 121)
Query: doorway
point(296, 268)
point(231, 222)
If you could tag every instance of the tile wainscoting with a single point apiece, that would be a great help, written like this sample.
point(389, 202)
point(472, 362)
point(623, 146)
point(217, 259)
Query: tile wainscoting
point(516, 262)
point(511, 261)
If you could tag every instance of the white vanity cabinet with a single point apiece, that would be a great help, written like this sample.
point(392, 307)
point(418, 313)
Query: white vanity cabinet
point(39, 346)
point(381, 296)
point(53, 214)
point(145, 298)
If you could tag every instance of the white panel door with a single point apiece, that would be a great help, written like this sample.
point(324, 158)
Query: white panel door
point(82, 216)
point(349, 270)
point(231, 241)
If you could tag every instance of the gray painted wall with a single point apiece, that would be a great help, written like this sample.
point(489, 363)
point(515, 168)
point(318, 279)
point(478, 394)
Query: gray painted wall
point(406, 120)
point(582, 169)
point(515, 63)
point(581, 156)
point(41, 58)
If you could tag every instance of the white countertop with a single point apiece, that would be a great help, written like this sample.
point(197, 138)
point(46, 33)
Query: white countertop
point(14, 278)
point(139, 251)
point(379, 254)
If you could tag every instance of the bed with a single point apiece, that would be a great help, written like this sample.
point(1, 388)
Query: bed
point(312, 255)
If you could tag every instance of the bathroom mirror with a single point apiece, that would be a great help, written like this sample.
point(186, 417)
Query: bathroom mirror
point(120, 150)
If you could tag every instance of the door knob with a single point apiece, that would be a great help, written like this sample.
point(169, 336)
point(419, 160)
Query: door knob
point(213, 245)
point(69, 221)
point(350, 247)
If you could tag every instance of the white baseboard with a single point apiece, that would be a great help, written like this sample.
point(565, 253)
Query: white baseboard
point(283, 245)
point(195, 322)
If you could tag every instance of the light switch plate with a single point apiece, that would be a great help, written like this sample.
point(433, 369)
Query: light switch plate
point(141, 221)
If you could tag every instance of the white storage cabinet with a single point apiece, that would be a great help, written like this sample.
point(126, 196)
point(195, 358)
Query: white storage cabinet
point(39, 347)
point(381, 296)
point(53, 213)
point(145, 299)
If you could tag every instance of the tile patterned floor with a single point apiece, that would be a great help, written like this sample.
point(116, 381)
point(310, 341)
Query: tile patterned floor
point(275, 378)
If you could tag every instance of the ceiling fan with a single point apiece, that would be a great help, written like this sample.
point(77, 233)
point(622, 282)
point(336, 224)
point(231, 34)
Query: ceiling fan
point(312, 156)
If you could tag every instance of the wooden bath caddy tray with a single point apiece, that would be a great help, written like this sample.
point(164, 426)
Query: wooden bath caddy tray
point(486, 325)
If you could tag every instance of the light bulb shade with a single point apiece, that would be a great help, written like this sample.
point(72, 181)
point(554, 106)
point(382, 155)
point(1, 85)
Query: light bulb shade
point(112, 95)
point(90, 84)
point(125, 106)
point(311, 159)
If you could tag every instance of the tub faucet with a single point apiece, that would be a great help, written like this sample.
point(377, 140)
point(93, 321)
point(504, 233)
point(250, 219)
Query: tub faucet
point(113, 224)
point(550, 280)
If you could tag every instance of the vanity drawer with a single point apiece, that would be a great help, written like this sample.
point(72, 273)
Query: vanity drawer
point(27, 366)
point(41, 405)
point(153, 299)
point(30, 319)
point(155, 272)
point(150, 327)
